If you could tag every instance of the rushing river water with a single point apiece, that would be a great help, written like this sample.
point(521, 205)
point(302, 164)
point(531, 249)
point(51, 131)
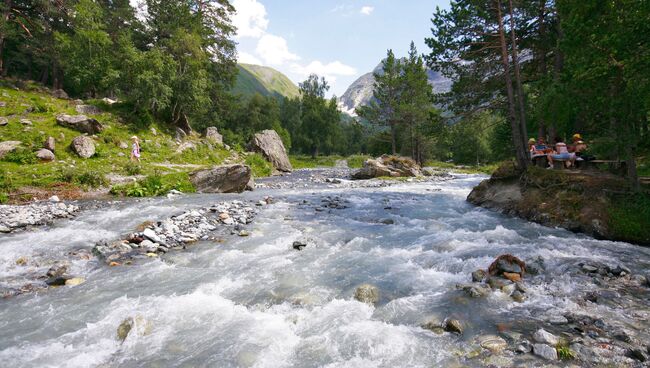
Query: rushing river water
point(256, 302)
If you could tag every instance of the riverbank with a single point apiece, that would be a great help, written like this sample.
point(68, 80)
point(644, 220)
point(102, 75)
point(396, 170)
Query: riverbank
point(595, 203)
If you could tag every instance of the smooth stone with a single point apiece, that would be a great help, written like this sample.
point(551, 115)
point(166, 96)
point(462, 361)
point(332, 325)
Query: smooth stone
point(558, 320)
point(544, 337)
point(493, 343)
point(518, 296)
point(589, 269)
point(479, 275)
point(545, 351)
point(75, 281)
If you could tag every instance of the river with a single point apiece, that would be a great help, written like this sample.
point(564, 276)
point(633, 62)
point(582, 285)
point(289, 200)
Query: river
point(256, 302)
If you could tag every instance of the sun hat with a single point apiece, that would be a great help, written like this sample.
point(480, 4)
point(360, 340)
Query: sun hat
point(577, 136)
point(134, 137)
point(532, 140)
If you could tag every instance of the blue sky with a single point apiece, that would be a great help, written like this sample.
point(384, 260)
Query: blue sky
point(339, 39)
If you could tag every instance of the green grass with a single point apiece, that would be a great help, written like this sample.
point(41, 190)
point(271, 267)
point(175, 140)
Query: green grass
point(307, 162)
point(482, 169)
point(260, 167)
point(155, 185)
point(629, 217)
point(21, 168)
point(565, 353)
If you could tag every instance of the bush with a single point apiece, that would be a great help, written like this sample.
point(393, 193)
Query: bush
point(133, 168)
point(21, 156)
point(90, 179)
point(155, 185)
point(261, 168)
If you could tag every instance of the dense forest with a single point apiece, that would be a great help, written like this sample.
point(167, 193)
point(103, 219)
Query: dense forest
point(520, 70)
point(175, 63)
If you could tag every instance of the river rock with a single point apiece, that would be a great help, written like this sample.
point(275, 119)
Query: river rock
point(57, 270)
point(545, 351)
point(75, 281)
point(478, 275)
point(212, 134)
point(58, 280)
point(83, 146)
point(388, 166)
point(507, 263)
point(222, 179)
point(88, 109)
point(8, 146)
point(299, 245)
point(39, 213)
point(493, 343)
point(45, 155)
point(434, 326)
point(367, 293)
point(518, 296)
point(544, 337)
point(50, 144)
point(81, 123)
point(270, 145)
point(535, 266)
point(454, 326)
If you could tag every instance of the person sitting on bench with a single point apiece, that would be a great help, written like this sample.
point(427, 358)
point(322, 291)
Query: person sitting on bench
point(579, 148)
point(561, 153)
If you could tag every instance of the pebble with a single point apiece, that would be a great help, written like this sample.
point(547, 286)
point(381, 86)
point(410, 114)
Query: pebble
point(558, 320)
point(13, 218)
point(493, 343)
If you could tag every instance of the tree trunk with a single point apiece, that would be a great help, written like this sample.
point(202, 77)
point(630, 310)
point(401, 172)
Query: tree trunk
point(520, 88)
point(393, 140)
point(5, 20)
point(520, 151)
point(541, 57)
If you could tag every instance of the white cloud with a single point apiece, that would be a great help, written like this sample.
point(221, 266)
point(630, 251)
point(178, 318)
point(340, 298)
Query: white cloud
point(330, 70)
point(250, 18)
point(246, 58)
point(274, 50)
point(367, 10)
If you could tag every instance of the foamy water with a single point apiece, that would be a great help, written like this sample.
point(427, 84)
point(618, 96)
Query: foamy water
point(256, 302)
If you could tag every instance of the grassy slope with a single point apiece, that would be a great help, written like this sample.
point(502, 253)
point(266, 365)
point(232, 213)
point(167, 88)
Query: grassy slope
point(157, 149)
point(264, 80)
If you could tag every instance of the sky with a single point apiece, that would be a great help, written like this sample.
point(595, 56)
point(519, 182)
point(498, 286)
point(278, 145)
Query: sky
point(338, 39)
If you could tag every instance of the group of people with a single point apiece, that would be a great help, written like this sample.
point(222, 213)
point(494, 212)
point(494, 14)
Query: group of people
point(560, 151)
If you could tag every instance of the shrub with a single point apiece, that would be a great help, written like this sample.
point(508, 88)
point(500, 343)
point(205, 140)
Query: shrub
point(155, 185)
point(133, 168)
point(91, 179)
point(21, 156)
point(261, 168)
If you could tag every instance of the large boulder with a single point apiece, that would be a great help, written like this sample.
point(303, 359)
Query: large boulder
point(45, 155)
point(212, 134)
point(389, 166)
point(269, 144)
point(83, 146)
point(222, 179)
point(59, 93)
point(80, 123)
point(8, 146)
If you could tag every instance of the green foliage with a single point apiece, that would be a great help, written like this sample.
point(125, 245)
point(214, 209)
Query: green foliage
point(629, 217)
point(356, 161)
point(565, 353)
point(260, 167)
point(21, 156)
point(133, 168)
point(4, 198)
point(255, 79)
point(155, 185)
point(91, 179)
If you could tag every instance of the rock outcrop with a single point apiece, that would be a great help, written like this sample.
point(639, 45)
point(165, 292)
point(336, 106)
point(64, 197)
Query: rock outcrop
point(222, 179)
point(8, 146)
point(269, 144)
point(388, 166)
point(83, 146)
point(212, 134)
point(81, 123)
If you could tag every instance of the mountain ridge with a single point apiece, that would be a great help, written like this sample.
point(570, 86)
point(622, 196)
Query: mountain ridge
point(264, 80)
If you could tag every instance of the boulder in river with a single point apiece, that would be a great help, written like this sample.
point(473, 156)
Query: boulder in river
point(222, 179)
point(507, 263)
point(8, 146)
point(454, 326)
point(83, 146)
point(545, 351)
point(269, 144)
point(81, 123)
point(544, 337)
point(367, 293)
point(388, 166)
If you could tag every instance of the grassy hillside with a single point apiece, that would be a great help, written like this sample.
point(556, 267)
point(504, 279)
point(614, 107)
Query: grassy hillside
point(265, 81)
point(23, 177)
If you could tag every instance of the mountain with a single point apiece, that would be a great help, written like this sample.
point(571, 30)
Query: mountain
point(266, 81)
point(360, 91)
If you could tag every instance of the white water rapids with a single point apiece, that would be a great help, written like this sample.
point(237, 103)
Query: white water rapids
point(256, 302)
